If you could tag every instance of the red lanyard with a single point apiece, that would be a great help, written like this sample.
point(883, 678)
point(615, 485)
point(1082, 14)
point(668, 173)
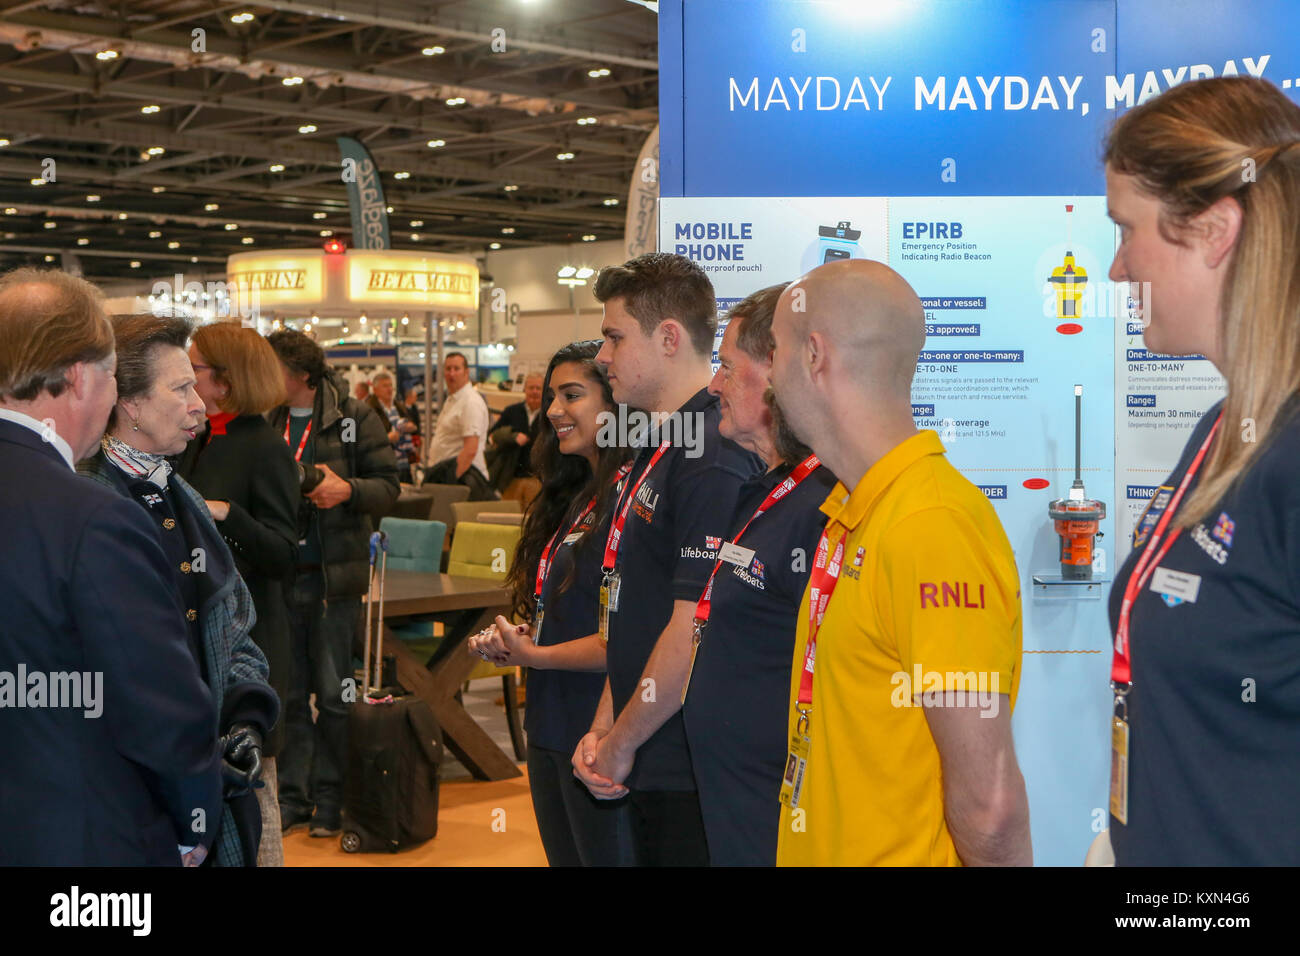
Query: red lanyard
point(543, 564)
point(821, 585)
point(1120, 669)
point(801, 471)
point(616, 528)
point(297, 456)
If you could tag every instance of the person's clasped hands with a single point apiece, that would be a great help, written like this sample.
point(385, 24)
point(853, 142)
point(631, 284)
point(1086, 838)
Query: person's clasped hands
point(503, 643)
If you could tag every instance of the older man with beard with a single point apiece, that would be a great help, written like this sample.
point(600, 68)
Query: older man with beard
point(735, 700)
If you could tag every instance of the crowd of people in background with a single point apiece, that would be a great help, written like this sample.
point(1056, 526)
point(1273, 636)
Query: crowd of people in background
point(722, 616)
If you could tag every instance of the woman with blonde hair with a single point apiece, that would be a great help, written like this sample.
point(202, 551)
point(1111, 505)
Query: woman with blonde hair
point(249, 481)
point(1204, 184)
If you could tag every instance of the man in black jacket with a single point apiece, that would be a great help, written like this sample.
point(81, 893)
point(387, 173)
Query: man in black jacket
point(512, 440)
point(349, 483)
point(106, 727)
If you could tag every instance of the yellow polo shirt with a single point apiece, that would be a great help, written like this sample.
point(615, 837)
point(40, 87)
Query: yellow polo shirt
point(928, 600)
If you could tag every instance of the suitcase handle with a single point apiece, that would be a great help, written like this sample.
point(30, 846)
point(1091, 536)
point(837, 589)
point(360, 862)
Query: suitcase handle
point(379, 555)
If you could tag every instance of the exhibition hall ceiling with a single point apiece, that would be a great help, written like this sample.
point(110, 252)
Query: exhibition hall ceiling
point(144, 136)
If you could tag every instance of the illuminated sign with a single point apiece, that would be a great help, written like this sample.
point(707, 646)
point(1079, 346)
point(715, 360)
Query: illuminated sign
point(412, 280)
point(276, 280)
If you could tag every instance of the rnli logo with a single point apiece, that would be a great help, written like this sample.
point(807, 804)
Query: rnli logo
point(152, 499)
point(1223, 529)
point(951, 594)
point(713, 544)
point(757, 569)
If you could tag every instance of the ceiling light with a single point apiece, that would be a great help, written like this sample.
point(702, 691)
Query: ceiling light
point(589, 237)
point(277, 167)
point(345, 330)
point(50, 224)
point(11, 211)
point(507, 230)
point(154, 234)
point(244, 17)
point(406, 319)
point(3, 143)
point(83, 241)
point(586, 273)
point(38, 181)
point(49, 258)
point(327, 232)
point(196, 259)
point(510, 188)
point(292, 81)
point(155, 150)
point(402, 175)
point(93, 197)
point(231, 226)
point(587, 121)
point(611, 201)
point(363, 318)
point(121, 215)
point(562, 157)
point(433, 50)
point(417, 223)
point(173, 244)
point(494, 245)
point(566, 271)
point(415, 237)
point(435, 143)
point(135, 263)
point(151, 108)
point(388, 209)
point(456, 101)
point(211, 207)
point(597, 74)
point(159, 189)
point(308, 128)
point(315, 318)
point(319, 215)
point(106, 55)
point(247, 240)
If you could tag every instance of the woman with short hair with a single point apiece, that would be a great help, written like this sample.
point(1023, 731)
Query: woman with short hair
point(157, 412)
point(249, 479)
point(1204, 184)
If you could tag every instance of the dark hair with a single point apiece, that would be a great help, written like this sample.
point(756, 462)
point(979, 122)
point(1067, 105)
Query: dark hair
point(300, 354)
point(661, 285)
point(49, 322)
point(139, 337)
point(755, 313)
point(567, 484)
point(460, 355)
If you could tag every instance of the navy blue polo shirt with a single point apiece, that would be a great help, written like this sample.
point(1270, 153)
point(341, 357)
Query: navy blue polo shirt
point(1214, 707)
point(561, 704)
point(670, 541)
point(738, 699)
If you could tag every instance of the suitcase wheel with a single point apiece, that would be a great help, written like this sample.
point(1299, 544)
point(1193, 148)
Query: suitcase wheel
point(350, 842)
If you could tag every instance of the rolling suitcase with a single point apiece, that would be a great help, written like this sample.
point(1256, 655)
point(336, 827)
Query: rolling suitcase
point(390, 791)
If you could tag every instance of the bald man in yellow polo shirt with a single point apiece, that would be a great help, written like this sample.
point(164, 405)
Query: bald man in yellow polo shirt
point(900, 719)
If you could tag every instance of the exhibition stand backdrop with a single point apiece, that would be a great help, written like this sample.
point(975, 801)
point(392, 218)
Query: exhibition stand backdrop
point(960, 143)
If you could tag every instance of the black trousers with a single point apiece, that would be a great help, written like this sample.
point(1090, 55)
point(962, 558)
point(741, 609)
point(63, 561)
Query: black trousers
point(576, 828)
point(667, 828)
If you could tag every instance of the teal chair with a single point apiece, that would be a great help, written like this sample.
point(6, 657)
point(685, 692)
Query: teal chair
point(415, 545)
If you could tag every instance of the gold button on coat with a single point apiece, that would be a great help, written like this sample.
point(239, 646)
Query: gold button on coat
point(169, 523)
point(191, 615)
point(185, 566)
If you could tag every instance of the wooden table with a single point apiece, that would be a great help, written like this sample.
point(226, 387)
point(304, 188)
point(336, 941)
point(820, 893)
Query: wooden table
point(472, 604)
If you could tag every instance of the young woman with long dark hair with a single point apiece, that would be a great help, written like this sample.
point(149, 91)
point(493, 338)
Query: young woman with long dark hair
point(555, 583)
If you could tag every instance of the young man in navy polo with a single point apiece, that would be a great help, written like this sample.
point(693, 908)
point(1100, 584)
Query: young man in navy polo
point(659, 326)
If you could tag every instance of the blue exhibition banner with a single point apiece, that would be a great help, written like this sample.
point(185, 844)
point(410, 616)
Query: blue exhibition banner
point(960, 142)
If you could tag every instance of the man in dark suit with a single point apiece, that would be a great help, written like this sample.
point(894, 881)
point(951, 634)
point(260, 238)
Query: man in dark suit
point(106, 726)
point(512, 438)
